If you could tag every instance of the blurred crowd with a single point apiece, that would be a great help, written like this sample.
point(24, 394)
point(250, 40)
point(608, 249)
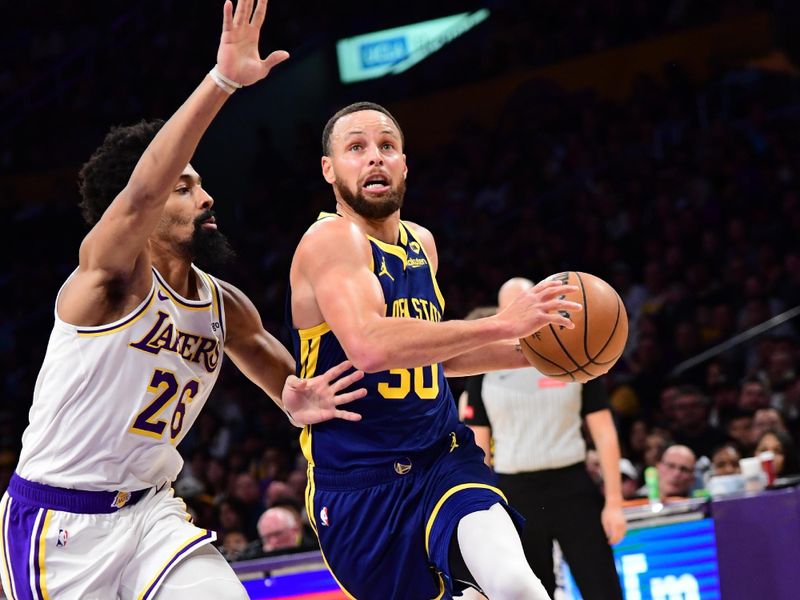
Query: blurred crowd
point(684, 197)
point(77, 71)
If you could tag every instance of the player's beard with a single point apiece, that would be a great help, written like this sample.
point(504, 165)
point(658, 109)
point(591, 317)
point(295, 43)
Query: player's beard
point(379, 208)
point(208, 248)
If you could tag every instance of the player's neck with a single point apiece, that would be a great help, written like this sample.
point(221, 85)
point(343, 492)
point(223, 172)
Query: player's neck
point(178, 273)
point(386, 229)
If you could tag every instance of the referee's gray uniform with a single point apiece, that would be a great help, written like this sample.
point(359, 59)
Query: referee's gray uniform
point(539, 456)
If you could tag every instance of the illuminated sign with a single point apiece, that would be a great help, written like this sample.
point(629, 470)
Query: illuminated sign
point(669, 562)
point(395, 50)
point(308, 585)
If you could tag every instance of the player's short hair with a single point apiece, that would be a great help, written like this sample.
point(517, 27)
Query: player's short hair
point(355, 107)
point(108, 170)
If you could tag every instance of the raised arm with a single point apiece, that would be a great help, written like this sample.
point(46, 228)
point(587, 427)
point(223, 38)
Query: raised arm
point(115, 252)
point(332, 274)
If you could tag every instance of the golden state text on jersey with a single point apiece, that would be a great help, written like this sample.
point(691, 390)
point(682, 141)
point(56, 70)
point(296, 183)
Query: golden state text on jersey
point(405, 411)
point(112, 402)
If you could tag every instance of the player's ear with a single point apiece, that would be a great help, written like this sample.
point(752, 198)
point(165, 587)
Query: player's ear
point(405, 167)
point(327, 169)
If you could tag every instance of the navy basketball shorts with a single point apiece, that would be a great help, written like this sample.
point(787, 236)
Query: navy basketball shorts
point(385, 532)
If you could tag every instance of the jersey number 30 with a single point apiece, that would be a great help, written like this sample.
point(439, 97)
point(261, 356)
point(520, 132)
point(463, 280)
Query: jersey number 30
point(404, 383)
point(165, 387)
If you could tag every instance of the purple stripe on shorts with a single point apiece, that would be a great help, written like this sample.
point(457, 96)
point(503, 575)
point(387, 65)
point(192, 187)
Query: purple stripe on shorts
point(3, 521)
point(37, 572)
point(20, 519)
point(178, 555)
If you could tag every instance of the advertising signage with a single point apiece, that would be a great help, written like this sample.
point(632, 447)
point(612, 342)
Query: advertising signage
point(393, 51)
point(668, 562)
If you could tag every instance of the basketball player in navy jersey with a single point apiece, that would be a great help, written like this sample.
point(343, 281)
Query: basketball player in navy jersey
point(402, 502)
point(136, 347)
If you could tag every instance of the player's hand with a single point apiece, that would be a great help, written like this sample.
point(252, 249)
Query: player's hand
point(315, 400)
point(614, 523)
point(543, 304)
point(238, 57)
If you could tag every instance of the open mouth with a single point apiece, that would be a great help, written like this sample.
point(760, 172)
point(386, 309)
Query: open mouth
point(376, 184)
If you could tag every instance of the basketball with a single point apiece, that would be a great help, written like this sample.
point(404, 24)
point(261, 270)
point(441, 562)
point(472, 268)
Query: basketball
point(594, 345)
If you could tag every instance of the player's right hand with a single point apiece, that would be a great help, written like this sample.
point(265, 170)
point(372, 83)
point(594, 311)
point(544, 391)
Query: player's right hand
point(238, 57)
point(543, 304)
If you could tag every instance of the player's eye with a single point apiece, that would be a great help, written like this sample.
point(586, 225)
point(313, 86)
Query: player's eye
point(182, 190)
point(387, 146)
point(356, 147)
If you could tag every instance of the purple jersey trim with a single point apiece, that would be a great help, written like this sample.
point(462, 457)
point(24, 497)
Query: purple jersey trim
point(74, 501)
point(208, 535)
point(20, 520)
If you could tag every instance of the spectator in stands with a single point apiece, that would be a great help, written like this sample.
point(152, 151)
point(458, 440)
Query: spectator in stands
point(753, 394)
point(690, 424)
point(297, 481)
point(246, 490)
point(234, 543)
point(765, 419)
point(782, 446)
point(676, 472)
point(738, 427)
point(231, 515)
point(654, 445)
point(725, 459)
point(281, 530)
point(278, 490)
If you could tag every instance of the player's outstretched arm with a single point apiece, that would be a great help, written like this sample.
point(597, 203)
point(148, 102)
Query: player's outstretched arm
point(115, 249)
point(267, 363)
point(497, 356)
point(334, 262)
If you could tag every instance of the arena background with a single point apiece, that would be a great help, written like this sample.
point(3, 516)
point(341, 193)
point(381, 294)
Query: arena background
point(651, 143)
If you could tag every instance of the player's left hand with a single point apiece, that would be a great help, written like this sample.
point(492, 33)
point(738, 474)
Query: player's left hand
point(315, 400)
point(614, 523)
point(238, 57)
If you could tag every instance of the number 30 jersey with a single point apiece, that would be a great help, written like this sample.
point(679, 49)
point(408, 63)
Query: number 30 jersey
point(112, 402)
point(405, 411)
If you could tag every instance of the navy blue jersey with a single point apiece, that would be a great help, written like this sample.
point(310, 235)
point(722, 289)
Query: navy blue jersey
point(405, 411)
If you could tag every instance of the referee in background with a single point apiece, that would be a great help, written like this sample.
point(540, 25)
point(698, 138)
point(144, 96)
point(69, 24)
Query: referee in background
point(539, 453)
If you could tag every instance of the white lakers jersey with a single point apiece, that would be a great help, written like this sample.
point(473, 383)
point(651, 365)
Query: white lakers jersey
point(112, 402)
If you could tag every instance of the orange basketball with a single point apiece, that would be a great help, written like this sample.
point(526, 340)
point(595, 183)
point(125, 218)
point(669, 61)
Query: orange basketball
point(594, 345)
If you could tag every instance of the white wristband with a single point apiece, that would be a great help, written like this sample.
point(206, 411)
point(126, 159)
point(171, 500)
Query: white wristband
point(228, 85)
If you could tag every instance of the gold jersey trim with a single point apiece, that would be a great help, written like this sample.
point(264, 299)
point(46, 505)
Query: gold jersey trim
point(180, 301)
point(315, 331)
point(436, 289)
point(124, 323)
point(443, 499)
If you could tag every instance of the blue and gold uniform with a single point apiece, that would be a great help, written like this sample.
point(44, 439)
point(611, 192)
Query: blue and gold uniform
point(385, 494)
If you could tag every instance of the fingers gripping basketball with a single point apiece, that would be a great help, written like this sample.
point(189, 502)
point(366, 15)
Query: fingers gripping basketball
point(594, 345)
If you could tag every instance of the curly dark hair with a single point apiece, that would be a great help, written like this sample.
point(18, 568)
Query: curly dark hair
point(108, 170)
point(355, 107)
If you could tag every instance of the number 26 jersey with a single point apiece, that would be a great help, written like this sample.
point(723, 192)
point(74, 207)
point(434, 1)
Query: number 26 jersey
point(112, 402)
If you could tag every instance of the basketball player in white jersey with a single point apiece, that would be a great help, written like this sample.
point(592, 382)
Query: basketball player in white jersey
point(136, 348)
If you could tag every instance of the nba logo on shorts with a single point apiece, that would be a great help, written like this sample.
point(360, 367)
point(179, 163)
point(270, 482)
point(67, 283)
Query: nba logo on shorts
point(323, 516)
point(62, 537)
point(121, 499)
